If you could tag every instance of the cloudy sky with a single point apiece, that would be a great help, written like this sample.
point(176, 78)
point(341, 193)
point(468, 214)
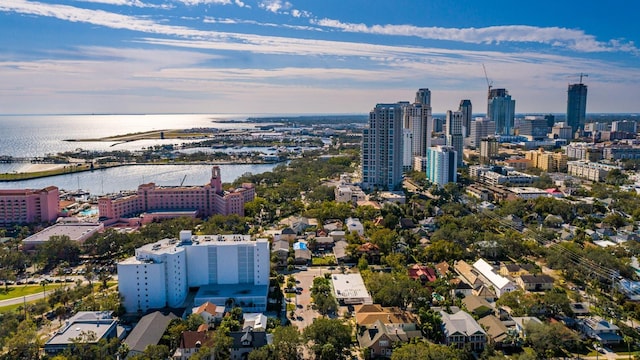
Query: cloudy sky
point(312, 56)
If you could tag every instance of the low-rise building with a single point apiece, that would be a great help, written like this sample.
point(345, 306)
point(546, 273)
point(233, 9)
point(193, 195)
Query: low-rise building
point(148, 331)
point(76, 231)
point(538, 282)
point(86, 327)
point(600, 330)
point(462, 330)
point(210, 313)
point(499, 283)
point(350, 289)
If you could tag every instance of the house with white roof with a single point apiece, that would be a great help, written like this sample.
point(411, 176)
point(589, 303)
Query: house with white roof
point(499, 283)
point(461, 329)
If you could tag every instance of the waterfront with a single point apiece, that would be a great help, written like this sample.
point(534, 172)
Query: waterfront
point(122, 178)
point(38, 135)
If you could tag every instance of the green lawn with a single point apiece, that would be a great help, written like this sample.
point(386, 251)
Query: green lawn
point(24, 290)
point(324, 261)
point(8, 308)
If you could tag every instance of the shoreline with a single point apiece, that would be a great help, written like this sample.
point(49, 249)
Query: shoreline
point(62, 169)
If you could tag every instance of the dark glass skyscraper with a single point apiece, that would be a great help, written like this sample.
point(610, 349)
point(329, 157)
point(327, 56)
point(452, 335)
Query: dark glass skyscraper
point(465, 108)
point(576, 106)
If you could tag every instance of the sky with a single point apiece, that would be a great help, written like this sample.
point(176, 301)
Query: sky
point(313, 56)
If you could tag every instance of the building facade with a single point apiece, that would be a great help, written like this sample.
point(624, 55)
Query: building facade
point(489, 147)
point(381, 155)
point(206, 200)
point(501, 109)
point(534, 127)
point(466, 109)
point(576, 106)
point(29, 206)
point(442, 165)
point(160, 274)
point(480, 128)
point(455, 136)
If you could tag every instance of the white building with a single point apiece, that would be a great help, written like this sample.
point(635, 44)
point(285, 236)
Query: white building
point(442, 165)
point(499, 283)
point(354, 224)
point(528, 193)
point(350, 289)
point(161, 273)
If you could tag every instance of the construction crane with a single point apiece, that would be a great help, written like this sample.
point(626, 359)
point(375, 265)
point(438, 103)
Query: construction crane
point(183, 179)
point(581, 76)
point(489, 83)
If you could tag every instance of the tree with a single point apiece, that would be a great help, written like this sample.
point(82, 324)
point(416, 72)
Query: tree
point(153, 352)
point(328, 337)
point(431, 324)
point(550, 340)
point(222, 343)
point(427, 351)
point(24, 343)
point(286, 343)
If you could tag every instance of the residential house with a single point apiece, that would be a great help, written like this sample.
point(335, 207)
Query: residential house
point(521, 322)
point(288, 234)
point(190, 343)
point(257, 321)
point(477, 306)
point(209, 312)
point(443, 269)
point(302, 254)
point(538, 282)
point(461, 330)
point(497, 332)
point(380, 338)
point(380, 328)
point(340, 252)
point(513, 270)
point(484, 292)
point(354, 224)
point(245, 341)
point(467, 273)
point(281, 249)
point(148, 331)
point(322, 243)
point(499, 283)
point(370, 251)
point(422, 273)
point(338, 235)
point(600, 330)
point(460, 288)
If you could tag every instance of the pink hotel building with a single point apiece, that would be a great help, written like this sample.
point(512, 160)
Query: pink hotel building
point(206, 200)
point(29, 206)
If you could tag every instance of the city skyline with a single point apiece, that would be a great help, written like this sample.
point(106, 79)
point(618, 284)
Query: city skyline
point(274, 56)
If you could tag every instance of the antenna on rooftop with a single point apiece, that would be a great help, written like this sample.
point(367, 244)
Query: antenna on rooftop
point(581, 76)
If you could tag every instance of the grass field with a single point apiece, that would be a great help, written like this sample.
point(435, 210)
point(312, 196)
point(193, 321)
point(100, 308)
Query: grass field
point(24, 290)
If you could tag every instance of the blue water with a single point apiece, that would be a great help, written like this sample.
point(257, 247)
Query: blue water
point(38, 135)
point(89, 212)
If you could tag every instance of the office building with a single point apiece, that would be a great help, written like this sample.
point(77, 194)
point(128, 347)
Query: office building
point(466, 110)
point(29, 206)
point(501, 109)
point(454, 134)
point(381, 155)
point(625, 126)
point(480, 129)
point(562, 131)
point(534, 128)
point(99, 324)
point(550, 119)
point(203, 200)
point(225, 268)
point(423, 96)
point(576, 106)
point(442, 165)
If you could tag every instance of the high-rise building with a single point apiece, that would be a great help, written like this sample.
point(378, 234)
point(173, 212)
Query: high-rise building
point(454, 133)
point(29, 206)
point(381, 155)
point(407, 142)
point(551, 120)
point(625, 126)
point(441, 165)
point(561, 131)
point(417, 118)
point(480, 128)
point(223, 267)
point(501, 109)
point(534, 127)
point(466, 110)
point(489, 147)
point(576, 106)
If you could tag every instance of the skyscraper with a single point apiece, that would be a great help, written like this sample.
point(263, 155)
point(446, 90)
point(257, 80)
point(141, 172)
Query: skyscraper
point(417, 118)
point(576, 106)
point(381, 155)
point(534, 127)
point(441, 165)
point(480, 128)
point(465, 108)
point(454, 133)
point(501, 109)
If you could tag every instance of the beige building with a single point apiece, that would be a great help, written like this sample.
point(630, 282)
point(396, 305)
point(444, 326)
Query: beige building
point(547, 161)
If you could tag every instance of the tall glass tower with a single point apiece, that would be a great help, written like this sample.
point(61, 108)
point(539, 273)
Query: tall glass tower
point(501, 109)
point(576, 106)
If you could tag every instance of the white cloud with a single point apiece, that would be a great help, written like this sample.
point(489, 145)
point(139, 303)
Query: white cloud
point(206, 2)
point(275, 6)
point(556, 36)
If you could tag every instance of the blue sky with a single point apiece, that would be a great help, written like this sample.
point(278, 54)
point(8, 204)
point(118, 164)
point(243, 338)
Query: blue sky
point(322, 56)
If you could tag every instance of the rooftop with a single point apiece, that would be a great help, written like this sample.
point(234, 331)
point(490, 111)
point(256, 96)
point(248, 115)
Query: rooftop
point(99, 322)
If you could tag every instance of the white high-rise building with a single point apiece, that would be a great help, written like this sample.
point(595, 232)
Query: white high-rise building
point(224, 267)
point(442, 165)
point(480, 128)
point(454, 133)
point(407, 142)
point(381, 155)
point(418, 120)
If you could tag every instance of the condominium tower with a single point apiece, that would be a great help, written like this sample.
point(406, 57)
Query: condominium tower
point(381, 155)
point(576, 106)
point(441, 165)
point(454, 136)
point(466, 109)
point(501, 109)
